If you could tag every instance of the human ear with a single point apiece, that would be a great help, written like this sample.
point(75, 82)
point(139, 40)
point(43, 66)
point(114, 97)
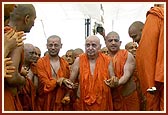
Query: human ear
point(27, 18)
point(61, 46)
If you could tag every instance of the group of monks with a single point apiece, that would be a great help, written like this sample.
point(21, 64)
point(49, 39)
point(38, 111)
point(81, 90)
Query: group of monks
point(97, 79)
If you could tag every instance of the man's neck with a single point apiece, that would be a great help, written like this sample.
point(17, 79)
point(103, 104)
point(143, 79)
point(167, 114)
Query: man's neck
point(14, 25)
point(112, 54)
point(54, 58)
point(92, 58)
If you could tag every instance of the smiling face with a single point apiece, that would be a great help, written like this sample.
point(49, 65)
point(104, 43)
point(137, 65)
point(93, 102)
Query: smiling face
point(92, 46)
point(113, 42)
point(54, 45)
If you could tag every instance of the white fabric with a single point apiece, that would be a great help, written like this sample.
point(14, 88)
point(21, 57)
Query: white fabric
point(102, 42)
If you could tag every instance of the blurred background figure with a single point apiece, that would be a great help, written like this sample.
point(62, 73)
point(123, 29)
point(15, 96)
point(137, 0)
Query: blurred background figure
point(77, 52)
point(131, 47)
point(105, 50)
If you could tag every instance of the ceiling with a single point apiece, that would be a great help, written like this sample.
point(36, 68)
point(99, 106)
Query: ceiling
point(112, 10)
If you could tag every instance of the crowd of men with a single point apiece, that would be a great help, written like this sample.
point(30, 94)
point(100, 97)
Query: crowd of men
point(97, 79)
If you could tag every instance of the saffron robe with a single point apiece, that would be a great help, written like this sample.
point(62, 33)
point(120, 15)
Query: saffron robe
point(49, 93)
point(150, 58)
point(125, 97)
point(95, 95)
point(11, 99)
point(27, 96)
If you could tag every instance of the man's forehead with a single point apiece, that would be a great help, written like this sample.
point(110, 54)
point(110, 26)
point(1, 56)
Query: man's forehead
point(53, 40)
point(69, 52)
point(30, 49)
point(132, 44)
point(91, 42)
point(114, 36)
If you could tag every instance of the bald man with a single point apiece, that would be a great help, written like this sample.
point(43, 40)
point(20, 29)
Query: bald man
point(125, 97)
point(12, 39)
point(150, 58)
point(77, 52)
point(27, 93)
point(22, 19)
point(96, 73)
point(131, 47)
point(70, 56)
point(52, 70)
point(135, 31)
point(33, 67)
point(38, 52)
point(105, 50)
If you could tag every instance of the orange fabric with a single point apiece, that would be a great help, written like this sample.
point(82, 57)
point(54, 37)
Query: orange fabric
point(95, 95)
point(11, 102)
point(150, 61)
point(155, 102)
point(33, 68)
point(8, 8)
point(11, 99)
point(27, 96)
point(120, 102)
point(139, 91)
point(50, 96)
point(150, 53)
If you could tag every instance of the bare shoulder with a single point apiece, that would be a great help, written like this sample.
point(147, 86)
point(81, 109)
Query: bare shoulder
point(76, 62)
point(130, 57)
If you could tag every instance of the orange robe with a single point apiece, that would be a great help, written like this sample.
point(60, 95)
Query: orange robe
point(11, 100)
point(150, 58)
point(129, 100)
point(33, 67)
point(50, 94)
point(95, 95)
point(141, 97)
point(27, 96)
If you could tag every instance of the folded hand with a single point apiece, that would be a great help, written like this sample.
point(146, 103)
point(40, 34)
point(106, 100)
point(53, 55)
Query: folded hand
point(112, 82)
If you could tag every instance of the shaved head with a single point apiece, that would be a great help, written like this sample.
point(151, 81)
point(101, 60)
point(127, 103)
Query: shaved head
point(137, 24)
point(129, 44)
point(113, 34)
point(22, 10)
point(77, 52)
point(93, 38)
point(92, 46)
point(131, 47)
point(54, 37)
point(29, 53)
point(28, 46)
point(23, 17)
point(135, 30)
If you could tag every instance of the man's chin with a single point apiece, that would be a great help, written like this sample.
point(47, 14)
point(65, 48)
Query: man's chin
point(53, 54)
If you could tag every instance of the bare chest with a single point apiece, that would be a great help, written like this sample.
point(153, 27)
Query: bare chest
point(92, 68)
point(54, 68)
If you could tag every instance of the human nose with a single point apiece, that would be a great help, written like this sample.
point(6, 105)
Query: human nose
point(53, 47)
point(113, 42)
